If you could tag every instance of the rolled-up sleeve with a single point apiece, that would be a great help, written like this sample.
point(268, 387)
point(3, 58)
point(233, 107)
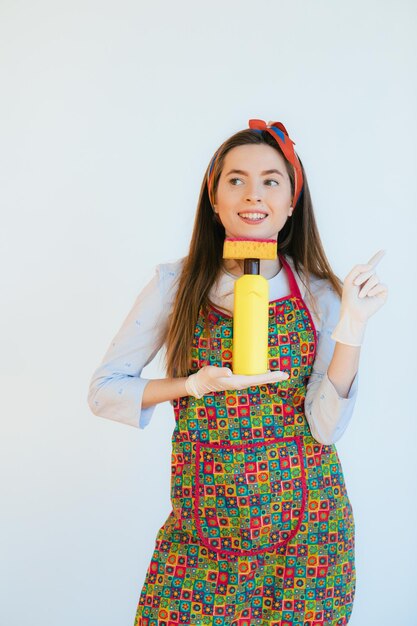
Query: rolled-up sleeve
point(327, 413)
point(116, 387)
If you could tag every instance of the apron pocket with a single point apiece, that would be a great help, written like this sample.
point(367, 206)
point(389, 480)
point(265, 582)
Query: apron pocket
point(249, 498)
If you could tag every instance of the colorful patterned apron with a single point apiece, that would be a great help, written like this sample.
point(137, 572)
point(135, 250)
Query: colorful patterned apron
point(262, 530)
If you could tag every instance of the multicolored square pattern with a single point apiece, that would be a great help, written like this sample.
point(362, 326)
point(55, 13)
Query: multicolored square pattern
point(249, 498)
point(261, 530)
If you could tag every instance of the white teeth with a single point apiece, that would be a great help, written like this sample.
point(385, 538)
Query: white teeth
point(252, 216)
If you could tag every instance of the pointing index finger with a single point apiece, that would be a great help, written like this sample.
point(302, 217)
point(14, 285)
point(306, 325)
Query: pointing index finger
point(375, 259)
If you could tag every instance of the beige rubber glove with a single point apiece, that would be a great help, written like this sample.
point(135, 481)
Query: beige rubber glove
point(211, 378)
point(362, 296)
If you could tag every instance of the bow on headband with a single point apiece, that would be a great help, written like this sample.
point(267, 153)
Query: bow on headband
point(278, 131)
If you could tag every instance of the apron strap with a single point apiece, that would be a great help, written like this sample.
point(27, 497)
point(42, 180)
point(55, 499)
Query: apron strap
point(294, 289)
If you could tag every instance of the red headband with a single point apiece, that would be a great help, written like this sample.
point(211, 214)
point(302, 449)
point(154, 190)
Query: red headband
point(278, 131)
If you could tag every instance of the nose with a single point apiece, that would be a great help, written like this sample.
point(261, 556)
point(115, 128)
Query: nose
point(253, 195)
point(253, 198)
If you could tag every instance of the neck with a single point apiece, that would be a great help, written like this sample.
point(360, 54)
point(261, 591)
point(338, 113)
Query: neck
point(268, 268)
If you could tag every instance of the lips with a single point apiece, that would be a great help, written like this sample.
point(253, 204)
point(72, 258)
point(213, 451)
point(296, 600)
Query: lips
point(253, 217)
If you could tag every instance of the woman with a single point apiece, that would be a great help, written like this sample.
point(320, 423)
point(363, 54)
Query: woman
point(261, 530)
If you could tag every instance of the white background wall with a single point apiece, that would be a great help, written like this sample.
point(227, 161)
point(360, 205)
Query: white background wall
point(109, 113)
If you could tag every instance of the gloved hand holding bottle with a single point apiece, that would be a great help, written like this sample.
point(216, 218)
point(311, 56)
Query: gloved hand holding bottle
point(362, 296)
point(211, 378)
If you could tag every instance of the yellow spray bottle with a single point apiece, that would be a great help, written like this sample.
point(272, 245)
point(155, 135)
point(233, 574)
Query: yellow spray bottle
point(251, 303)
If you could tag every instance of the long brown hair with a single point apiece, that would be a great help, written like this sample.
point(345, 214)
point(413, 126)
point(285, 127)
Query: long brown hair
point(299, 239)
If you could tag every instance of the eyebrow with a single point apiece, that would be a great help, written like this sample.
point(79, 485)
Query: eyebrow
point(262, 173)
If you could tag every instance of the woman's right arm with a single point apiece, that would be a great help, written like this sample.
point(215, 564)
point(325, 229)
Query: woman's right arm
point(163, 389)
point(117, 390)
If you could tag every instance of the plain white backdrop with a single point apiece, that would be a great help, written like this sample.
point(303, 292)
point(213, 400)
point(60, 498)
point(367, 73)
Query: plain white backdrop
point(109, 114)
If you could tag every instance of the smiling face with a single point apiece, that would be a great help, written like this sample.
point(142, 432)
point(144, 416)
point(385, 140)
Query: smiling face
point(253, 197)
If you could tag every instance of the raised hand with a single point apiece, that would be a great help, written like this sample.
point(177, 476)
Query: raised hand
point(362, 296)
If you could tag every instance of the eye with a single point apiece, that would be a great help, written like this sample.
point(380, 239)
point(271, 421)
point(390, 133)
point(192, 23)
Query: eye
point(268, 180)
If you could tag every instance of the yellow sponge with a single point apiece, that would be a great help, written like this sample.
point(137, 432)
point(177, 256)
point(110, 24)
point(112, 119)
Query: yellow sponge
point(250, 249)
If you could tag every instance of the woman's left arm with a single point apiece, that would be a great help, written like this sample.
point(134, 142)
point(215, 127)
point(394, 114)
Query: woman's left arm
point(332, 387)
point(343, 367)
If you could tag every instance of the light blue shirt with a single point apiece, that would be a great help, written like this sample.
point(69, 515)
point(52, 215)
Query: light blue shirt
point(116, 386)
